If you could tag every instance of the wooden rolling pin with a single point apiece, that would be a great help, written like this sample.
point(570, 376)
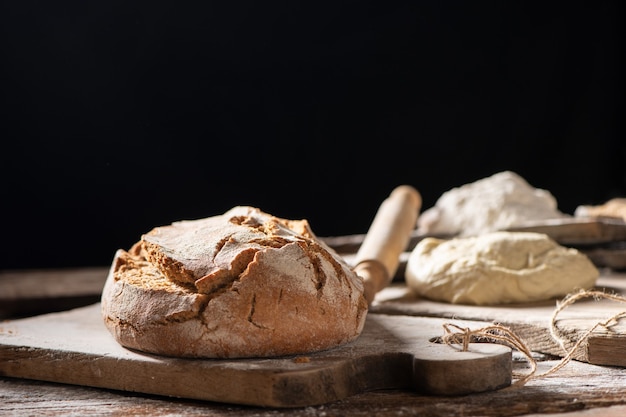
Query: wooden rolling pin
point(388, 236)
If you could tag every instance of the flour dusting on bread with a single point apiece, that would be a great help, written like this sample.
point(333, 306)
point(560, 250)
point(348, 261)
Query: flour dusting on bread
point(241, 284)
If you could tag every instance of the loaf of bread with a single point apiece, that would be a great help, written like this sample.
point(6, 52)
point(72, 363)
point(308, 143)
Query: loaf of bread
point(240, 284)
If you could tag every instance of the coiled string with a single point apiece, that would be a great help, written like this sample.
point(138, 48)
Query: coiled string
point(496, 333)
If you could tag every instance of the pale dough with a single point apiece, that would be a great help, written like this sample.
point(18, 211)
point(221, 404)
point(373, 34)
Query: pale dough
point(498, 202)
point(614, 208)
point(497, 268)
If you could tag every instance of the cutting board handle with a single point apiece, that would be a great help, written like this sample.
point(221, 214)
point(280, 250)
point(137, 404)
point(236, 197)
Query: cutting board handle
point(388, 236)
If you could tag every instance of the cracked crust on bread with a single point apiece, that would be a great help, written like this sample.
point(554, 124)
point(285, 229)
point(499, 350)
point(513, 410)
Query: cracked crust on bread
point(242, 284)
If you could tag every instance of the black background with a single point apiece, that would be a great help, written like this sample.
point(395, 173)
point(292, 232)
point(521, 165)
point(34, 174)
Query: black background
point(121, 116)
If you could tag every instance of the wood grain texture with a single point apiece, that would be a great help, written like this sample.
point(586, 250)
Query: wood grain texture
point(38, 291)
point(578, 390)
point(47, 284)
point(578, 231)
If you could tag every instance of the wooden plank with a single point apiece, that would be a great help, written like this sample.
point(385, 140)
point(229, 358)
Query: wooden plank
point(578, 231)
point(531, 321)
point(37, 291)
point(33, 284)
point(610, 255)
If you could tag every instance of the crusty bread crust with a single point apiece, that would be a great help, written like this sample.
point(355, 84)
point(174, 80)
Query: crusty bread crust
point(243, 284)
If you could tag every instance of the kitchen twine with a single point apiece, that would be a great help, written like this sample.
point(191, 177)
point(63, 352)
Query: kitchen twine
point(496, 333)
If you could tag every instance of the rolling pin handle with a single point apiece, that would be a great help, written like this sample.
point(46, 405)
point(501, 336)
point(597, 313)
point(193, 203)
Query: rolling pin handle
point(388, 236)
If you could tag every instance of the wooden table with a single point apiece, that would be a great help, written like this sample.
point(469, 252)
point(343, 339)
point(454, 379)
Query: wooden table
point(578, 389)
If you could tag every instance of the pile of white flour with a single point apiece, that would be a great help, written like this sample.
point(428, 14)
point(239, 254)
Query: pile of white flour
point(498, 202)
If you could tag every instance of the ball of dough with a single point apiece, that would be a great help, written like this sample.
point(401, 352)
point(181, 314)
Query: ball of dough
point(614, 208)
point(497, 268)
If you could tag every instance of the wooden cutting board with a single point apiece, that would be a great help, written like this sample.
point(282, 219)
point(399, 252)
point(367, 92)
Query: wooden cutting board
point(532, 321)
point(578, 230)
point(393, 352)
